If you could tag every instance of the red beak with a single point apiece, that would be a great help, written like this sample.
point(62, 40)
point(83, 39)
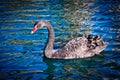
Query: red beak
point(34, 29)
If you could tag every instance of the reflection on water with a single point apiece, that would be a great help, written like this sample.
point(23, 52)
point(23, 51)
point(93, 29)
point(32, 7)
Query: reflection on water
point(21, 54)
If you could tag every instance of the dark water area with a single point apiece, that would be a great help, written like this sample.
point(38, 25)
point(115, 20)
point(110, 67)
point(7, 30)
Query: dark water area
point(21, 53)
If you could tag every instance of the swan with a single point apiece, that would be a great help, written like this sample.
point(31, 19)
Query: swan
point(80, 47)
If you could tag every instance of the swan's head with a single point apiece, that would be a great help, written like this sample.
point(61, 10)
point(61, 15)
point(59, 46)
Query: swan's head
point(37, 25)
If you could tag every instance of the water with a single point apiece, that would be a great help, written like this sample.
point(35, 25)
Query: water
point(21, 54)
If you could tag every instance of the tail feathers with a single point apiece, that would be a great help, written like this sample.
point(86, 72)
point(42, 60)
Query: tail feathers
point(95, 41)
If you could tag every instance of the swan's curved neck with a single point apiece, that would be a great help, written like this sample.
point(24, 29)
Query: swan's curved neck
point(50, 42)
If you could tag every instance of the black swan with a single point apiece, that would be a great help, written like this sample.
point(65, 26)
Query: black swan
point(80, 47)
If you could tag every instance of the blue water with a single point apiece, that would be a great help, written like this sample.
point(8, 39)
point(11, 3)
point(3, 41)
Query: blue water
point(21, 53)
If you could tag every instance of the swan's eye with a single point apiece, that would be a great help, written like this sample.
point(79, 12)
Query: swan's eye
point(37, 26)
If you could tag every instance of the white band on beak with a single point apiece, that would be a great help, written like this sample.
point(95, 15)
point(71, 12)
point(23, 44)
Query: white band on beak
point(32, 32)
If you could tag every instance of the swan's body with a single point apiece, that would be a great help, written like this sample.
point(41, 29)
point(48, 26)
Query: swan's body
point(80, 47)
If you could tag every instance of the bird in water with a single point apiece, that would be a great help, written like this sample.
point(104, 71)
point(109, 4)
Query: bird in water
point(80, 47)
